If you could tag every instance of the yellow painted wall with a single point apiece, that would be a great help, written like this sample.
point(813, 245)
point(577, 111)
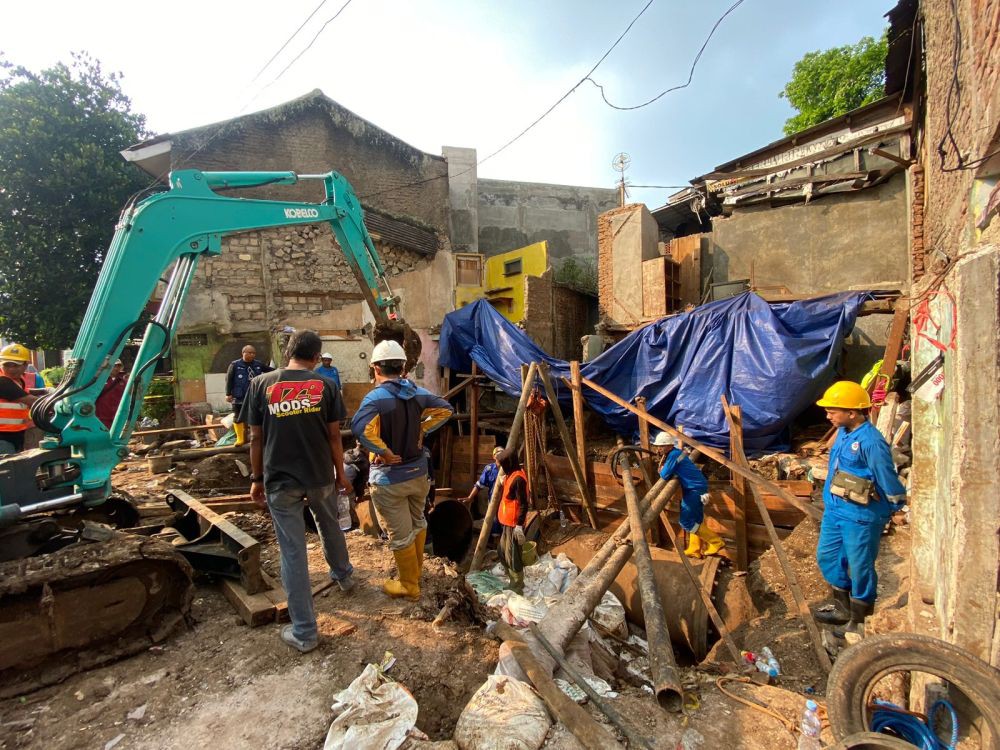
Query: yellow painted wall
point(534, 262)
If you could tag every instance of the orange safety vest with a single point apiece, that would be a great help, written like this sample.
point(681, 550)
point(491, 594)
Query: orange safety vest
point(510, 508)
point(14, 417)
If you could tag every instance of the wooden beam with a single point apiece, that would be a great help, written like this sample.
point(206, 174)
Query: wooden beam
point(474, 422)
point(786, 567)
point(743, 471)
point(581, 480)
point(646, 464)
point(190, 428)
point(893, 347)
point(578, 419)
point(459, 388)
point(739, 488)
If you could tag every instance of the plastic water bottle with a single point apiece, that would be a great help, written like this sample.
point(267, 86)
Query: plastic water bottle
point(772, 661)
point(810, 727)
point(563, 523)
point(344, 510)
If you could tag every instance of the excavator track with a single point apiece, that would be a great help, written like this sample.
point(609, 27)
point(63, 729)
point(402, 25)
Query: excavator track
point(85, 605)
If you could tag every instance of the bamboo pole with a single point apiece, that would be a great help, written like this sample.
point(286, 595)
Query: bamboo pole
point(512, 439)
point(786, 567)
point(581, 480)
point(646, 464)
point(743, 471)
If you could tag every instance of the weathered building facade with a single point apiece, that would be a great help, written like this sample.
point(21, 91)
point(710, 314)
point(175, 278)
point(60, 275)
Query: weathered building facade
point(266, 282)
point(956, 296)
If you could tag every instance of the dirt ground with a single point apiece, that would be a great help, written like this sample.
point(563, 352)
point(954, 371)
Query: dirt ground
point(223, 685)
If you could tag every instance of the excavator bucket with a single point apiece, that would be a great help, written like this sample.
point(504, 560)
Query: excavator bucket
point(400, 332)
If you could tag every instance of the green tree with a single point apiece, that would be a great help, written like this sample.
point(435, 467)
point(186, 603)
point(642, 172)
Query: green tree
point(63, 184)
point(579, 273)
point(832, 83)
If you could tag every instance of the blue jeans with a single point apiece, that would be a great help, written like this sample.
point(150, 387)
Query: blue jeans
point(287, 513)
point(846, 554)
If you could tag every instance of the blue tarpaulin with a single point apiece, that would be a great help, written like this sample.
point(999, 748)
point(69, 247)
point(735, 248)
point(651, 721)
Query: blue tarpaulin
point(773, 360)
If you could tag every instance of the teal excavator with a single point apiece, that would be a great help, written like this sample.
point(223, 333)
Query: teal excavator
point(73, 592)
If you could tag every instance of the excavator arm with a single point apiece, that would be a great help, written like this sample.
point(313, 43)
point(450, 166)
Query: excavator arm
point(162, 239)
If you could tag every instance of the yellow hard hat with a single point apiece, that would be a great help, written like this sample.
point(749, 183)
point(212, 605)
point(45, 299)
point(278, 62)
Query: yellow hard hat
point(845, 394)
point(14, 353)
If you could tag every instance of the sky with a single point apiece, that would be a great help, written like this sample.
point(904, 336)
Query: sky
point(469, 73)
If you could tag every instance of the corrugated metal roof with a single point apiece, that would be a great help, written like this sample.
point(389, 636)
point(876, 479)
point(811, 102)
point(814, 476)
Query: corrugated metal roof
point(396, 232)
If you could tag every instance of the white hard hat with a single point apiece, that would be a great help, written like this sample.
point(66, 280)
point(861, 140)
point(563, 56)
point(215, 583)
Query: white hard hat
point(662, 438)
point(388, 351)
point(326, 355)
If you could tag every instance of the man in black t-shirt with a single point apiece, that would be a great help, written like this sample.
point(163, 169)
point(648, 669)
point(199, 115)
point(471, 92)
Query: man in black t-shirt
point(297, 456)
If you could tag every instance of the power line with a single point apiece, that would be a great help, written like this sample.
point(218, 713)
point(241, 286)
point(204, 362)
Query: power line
point(311, 42)
point(694, 64)
point(517, 137)
point(288, 41)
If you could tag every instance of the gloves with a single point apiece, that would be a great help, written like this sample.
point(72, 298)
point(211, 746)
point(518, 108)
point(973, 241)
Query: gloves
point(519, 534)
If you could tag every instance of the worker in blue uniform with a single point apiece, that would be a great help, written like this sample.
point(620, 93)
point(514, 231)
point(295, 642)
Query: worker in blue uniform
point(694, 491)
point(862, 491)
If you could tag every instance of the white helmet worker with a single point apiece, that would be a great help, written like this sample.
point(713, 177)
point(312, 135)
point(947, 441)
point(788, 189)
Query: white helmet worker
point(662, 438)
point(326, 355)
point(388, 351)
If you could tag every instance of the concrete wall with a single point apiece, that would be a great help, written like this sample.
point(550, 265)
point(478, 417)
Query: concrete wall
point(955, 492)
point(463, 197)
point(627, 236)
point(828, 245)
point(515, 214)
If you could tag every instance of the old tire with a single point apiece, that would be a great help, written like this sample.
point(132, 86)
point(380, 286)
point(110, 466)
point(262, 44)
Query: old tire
point(871, 741)
point(861, 666)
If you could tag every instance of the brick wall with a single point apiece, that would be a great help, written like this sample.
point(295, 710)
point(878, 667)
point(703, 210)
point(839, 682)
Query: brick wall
point(557, 316)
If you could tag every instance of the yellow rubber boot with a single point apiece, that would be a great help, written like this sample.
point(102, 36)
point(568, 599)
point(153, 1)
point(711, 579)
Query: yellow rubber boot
point(418, 543)
point(694, 545)
point(712, 542)
point(241, 433)
point(408, 584)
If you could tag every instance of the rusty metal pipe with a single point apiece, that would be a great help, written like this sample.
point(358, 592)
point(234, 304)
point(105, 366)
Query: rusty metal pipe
point(662, 665)
point(562, 622)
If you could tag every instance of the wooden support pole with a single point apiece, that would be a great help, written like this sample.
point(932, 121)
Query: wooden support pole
point(706, 597)
point(459, 388)
point(578, 418)
point(530, 469)
point(474, 423)
point(744, 471)
point(646, 464)
point(786, 567)
point(581, 479)
point(575, 718)
point(739, 488)
point(893, 346)
point(512, 439)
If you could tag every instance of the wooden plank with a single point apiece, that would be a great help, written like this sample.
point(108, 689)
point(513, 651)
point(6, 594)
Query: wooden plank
point(887, 415)
point(474, 424)
point(893, 347)
point(578, 418)
point(739, 491)
point(253, 609)
point(543, 371)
